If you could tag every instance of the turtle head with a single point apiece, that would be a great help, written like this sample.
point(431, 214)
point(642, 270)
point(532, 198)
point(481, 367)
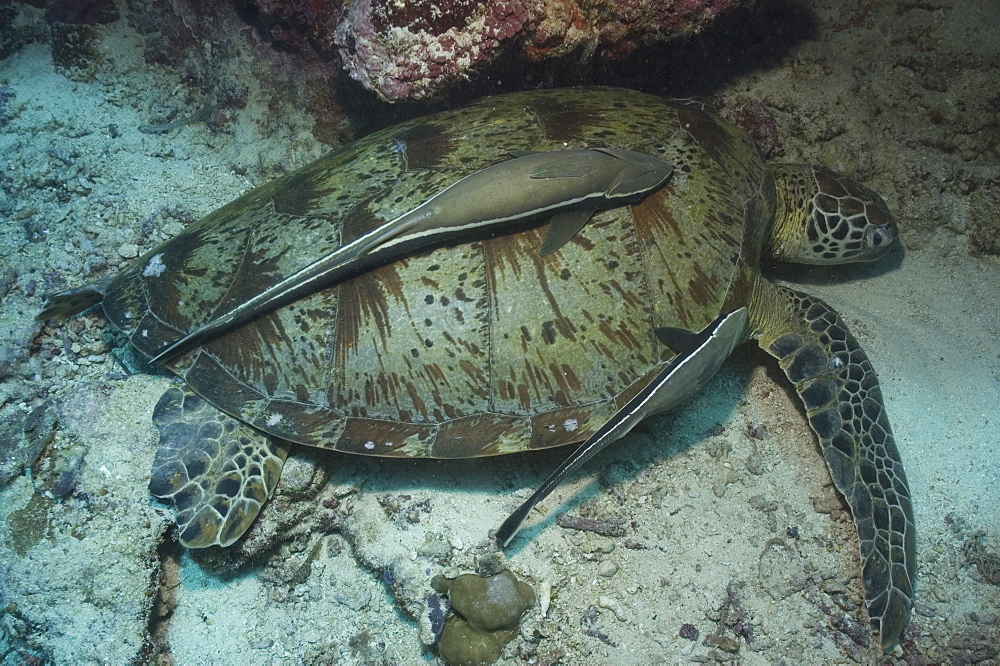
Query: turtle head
point(825, 218)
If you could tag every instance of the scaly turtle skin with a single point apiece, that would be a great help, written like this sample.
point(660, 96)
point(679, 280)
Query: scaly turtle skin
point(487, 347)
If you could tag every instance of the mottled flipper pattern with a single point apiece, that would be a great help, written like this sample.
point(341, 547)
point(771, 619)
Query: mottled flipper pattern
point(843, 401)
point(218, 471)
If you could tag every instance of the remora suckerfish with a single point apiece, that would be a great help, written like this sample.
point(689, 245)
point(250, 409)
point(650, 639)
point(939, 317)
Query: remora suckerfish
point(570, 184)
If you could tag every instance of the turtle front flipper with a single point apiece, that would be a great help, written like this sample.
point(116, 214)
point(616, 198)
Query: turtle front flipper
point(218, 471)
point(843, 401)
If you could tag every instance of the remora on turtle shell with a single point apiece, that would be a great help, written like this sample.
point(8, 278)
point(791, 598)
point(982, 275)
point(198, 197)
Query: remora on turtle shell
point(571, 183)
point(697, 361)
point(487, 347)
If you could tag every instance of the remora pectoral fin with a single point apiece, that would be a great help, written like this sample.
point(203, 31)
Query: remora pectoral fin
point(686, 373)
point(574, 166)
point(640, 174)
point(563, 226)
point(638, 178)
point(681, 340)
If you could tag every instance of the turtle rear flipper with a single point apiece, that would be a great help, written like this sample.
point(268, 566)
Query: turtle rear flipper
point(64, 304)
point(843, 402)
point(218, 471)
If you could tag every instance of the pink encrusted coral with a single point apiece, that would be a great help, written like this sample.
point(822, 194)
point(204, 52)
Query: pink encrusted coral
point(406, 50)
point(409, 49)
point(505, 19)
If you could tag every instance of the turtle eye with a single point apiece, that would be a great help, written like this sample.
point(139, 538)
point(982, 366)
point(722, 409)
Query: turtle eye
point(880, 236)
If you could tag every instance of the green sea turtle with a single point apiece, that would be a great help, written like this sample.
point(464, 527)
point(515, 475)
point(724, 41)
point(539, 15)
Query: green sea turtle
point(487, 346)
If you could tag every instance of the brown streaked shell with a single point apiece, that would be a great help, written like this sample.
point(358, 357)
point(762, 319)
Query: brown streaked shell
point(476, 349)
